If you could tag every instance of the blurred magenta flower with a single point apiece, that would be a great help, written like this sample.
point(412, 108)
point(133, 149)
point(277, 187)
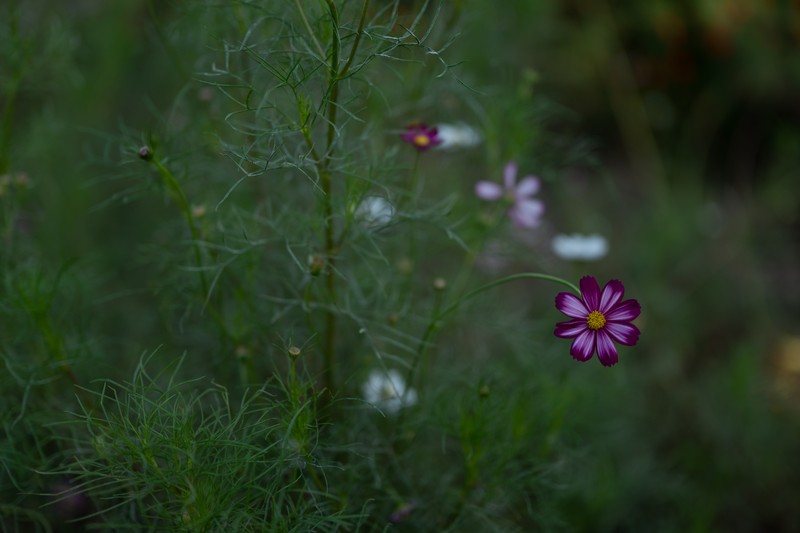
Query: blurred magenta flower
point(525, 211)
point(598, 319)
point(421, 136)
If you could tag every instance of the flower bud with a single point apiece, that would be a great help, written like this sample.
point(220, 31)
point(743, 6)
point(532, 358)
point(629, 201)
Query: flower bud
point(199, 210)
point(294, 352)
point(145, 153)
point(439, 284)
point(315, 264)
point(242, 352)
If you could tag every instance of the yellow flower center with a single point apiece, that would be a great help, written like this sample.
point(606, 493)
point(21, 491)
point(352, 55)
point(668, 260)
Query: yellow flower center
point(388, 391)
point(595, 320)
point(422, 140)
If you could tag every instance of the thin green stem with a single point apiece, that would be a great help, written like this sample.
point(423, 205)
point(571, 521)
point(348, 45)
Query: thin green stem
point(183, 204)
point(329, 341)
point(525, 275)
point(437, 317)
point(309, 30)
point(414, 180)
point(333, 81)
point(359, 33)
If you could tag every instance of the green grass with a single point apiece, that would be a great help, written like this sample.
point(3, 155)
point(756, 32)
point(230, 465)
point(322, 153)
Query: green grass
point(186, 331)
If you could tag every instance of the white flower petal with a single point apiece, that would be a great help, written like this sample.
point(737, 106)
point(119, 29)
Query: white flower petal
point(455, 136)
point(375, 211)
point(578, 247)
point(387, 391)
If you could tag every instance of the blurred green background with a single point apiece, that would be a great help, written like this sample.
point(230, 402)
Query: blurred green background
point(669, 126)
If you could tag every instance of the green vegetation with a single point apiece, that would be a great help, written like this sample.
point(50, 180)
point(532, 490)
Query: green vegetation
point(234, 298)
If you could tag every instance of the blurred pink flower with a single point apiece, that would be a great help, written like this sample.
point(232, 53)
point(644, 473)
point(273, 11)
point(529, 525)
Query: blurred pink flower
point(525, 211)
point(421, 136)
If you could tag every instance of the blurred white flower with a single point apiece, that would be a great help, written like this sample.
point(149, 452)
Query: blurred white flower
point(387, 391)
point(578, 247)
point(375, 211)
point(454, 136)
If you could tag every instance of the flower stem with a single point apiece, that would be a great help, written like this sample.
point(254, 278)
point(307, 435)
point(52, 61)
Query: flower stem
point(436, 318)
point(323, 163)
point(359, 33)
point(183, 204)
point(179, 196)
point(524, 275)
point(329, 341)
point(310, 31)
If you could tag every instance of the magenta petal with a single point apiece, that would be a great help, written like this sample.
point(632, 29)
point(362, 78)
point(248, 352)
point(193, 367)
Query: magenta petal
point(606, 351)
point(622, 332)
point(571, 305)
point(612, 293)
point(624, 312)
point(488, 190)
point(570, 328)
point(590, 291)
point(583, 345)
point(527, 187)
point(510, 175)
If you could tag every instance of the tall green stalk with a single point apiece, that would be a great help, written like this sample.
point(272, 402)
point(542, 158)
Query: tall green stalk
point(326, 179)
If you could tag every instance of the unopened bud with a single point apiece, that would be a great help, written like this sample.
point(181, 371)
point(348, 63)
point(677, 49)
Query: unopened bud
point(145, 153)
point(315, 264)
point(242, 352)
point(484, 391)
point(439, 284)
point(405, 265)
point(294, 352)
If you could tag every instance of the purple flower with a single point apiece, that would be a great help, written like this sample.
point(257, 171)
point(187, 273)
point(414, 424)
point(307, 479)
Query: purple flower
point(598, 319)
point(525, 211)
point(421, 136)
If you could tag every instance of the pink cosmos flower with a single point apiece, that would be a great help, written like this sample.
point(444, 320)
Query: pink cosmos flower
point(421, 136)
point(525, 211)
point(597, 320)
